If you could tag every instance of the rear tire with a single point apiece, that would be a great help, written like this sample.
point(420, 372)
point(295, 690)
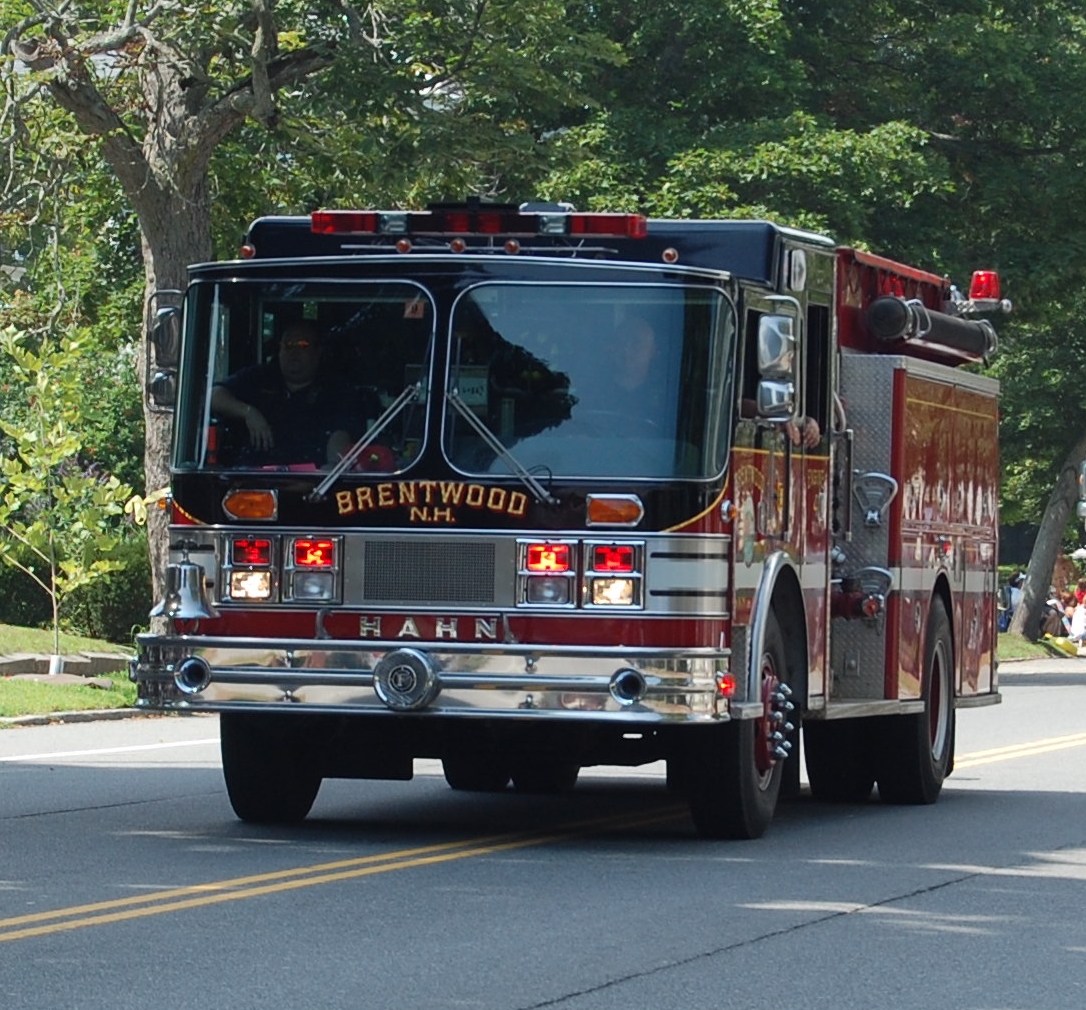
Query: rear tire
point(734, 773)
point(918, 751)
point(545, 774)
point(268, 765)
point(840, 761)
point(475, 771)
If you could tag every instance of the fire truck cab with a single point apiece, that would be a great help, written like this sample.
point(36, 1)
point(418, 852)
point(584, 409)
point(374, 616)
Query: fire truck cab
point(578, 489)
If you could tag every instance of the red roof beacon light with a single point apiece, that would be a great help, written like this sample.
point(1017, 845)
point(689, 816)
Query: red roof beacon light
point(985, 284)
point(985, 294)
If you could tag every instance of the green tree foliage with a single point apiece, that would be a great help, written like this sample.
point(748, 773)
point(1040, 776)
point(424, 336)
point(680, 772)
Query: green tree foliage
point(59, 520)
point(159, 89)
point(949, 135)
point(458, 98)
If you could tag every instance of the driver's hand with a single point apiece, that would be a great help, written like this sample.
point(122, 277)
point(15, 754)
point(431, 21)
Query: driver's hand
point(260, 433)
point(806, 433)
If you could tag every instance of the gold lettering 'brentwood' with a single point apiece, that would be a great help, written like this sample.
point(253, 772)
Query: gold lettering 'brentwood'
point(432, 501)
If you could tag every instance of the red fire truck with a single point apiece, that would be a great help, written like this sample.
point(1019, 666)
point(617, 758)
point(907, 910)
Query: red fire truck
point(606, 490)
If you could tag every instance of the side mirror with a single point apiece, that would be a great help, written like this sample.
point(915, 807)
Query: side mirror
point(162, 389)
point(163, 356)
point(165, 337)
point(776, 347)
point(776, 399)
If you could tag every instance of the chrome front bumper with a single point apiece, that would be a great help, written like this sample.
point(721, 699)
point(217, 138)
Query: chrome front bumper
point(182, 673)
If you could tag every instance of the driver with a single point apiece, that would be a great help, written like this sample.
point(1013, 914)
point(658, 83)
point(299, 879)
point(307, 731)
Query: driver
point(290, 412)
point(623, 396)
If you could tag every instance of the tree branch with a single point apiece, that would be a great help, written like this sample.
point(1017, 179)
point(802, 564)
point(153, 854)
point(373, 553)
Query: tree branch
point(264, 50)
point(69, 81)
point(216, 121)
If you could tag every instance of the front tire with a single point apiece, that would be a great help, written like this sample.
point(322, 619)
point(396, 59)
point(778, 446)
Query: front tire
point(268, 765)
point(735, 770)
point(919, 749)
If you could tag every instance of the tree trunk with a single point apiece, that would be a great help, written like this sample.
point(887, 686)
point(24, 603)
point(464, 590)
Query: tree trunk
point(175, 230)
point(165, 172)
point(1046, 549)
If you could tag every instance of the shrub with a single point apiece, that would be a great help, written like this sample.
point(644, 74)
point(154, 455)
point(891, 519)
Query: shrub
point(116, 604)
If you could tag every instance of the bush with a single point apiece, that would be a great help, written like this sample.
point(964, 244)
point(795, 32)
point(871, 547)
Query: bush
point(116, 604)
point(21, 600)
point(112, 607)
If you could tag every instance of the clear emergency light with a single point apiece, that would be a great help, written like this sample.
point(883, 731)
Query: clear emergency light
point(483, 221)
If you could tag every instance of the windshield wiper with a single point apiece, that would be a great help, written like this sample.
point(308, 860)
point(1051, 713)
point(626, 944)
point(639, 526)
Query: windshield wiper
point(495, 443)
point(347, 460)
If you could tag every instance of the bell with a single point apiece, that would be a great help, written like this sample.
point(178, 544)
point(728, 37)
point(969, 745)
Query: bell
point(185, 597)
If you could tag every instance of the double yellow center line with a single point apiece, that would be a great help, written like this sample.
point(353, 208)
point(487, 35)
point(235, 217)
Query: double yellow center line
point(1019, 750)
point(100, 913)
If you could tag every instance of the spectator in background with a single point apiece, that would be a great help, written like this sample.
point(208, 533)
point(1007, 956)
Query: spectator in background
point(1010, 597)
point(1068, 604)
point(1078, 624)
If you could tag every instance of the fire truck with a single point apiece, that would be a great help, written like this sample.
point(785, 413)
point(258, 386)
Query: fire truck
point(614, 490)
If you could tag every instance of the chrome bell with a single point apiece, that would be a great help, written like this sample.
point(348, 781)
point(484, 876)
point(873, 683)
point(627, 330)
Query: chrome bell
point(185, 596)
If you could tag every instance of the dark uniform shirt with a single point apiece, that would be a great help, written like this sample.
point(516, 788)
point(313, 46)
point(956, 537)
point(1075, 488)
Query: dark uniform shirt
point(301, 420)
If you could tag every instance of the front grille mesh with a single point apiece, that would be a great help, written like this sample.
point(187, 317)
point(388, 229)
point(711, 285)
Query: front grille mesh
point(428, 572)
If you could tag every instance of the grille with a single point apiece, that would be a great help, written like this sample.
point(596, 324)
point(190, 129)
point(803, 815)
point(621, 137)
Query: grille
point(419, 572)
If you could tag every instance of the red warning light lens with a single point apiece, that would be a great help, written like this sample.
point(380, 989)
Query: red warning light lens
point(548, 558)
point(314, 553)
point(252, 552)
point(457, 222)
point(613, 558)
point(985, 284)
point(618, 225)
point(343, 222)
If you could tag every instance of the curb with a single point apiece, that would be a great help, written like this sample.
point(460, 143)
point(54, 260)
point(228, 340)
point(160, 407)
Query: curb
point(83, 715)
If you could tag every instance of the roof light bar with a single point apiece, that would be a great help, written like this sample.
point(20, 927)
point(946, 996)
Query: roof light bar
point(464, 221)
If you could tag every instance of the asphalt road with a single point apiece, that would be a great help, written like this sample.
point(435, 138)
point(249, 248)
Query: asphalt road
point(125, 882)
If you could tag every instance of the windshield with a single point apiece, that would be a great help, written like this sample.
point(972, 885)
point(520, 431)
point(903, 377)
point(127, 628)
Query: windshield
point(291, 375)
point(590, 380)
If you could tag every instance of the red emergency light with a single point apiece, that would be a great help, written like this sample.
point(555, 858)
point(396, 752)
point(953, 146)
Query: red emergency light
point(613, 558)
point(252, 552)
point(314, 553)
point(618, 225)
point(343, 222)
point(547, 558)
point(985, 285)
